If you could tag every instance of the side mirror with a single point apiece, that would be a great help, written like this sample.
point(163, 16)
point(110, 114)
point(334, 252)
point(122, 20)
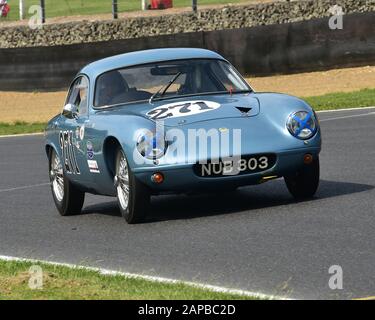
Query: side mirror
point(70, 111)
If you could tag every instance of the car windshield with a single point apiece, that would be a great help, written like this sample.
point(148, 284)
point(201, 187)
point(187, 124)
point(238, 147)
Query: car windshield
point(166, 80)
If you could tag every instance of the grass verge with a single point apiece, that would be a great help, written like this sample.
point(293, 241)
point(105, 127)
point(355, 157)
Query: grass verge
point(21, 128)
point(331, 101)
point(66, 283)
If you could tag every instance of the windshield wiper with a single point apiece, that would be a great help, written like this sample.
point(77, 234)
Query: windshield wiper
point(164, 89)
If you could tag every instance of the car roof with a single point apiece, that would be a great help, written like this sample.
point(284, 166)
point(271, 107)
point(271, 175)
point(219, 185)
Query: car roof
point(96, 68)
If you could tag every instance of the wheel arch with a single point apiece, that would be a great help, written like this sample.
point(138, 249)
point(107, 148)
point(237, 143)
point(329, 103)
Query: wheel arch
point(110, 146)
point(48, 149)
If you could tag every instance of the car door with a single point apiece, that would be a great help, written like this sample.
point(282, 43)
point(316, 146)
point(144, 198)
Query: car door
point(73, 139)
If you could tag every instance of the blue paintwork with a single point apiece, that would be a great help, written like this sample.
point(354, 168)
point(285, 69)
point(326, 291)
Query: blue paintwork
point(263, 131)
point(146, 56)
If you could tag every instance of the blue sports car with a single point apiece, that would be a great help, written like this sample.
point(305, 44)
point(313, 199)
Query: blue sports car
point(175, 120)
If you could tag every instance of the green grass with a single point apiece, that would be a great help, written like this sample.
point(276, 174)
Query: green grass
point(67, 283)
point(56, 8)
point(21, 128)
point(331, 101)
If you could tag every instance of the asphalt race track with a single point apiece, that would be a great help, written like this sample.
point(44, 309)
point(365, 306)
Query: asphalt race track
point(256, 238)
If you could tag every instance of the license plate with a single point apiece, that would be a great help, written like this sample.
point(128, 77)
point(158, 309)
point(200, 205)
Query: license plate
point(235, 166)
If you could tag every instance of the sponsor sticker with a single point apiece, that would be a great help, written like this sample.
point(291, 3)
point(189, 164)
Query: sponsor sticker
point(93, 166)
point(90, 150)
point(180, 109)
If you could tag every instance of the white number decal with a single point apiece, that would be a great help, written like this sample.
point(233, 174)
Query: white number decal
point(68, 152)
point(179, 109)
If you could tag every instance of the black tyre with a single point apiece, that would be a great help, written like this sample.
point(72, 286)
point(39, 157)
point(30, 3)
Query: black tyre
point(133, 197)
point(67, 197)
point(305, 182)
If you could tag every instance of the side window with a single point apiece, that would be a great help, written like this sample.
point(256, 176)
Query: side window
point(78, 95)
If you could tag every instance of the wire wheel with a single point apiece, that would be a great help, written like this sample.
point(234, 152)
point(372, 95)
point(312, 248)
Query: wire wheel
point(123, 188)
point(57, 177)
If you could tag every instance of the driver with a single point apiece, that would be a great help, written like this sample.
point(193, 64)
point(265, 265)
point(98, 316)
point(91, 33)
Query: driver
point(110, 85)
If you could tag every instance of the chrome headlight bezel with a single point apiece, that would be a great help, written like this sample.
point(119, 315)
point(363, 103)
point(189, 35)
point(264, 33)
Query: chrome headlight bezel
point(302, 124)
point(151, 145)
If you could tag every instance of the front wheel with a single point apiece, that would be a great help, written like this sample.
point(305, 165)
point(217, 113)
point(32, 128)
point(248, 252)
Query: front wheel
point(67, 197)
point(133, 197)
point(304, 183)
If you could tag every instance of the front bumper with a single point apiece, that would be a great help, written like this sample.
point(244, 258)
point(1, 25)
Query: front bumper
point(181, 177)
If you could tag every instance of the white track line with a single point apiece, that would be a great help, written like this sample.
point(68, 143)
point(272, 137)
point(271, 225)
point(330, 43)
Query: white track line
point(347, 117)
point(151, 278)
point(25, 187)
point(22, 135)
point(348, 109)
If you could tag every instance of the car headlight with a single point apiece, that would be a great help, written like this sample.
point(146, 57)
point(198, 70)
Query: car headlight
point(302, 124)
point(150, 145)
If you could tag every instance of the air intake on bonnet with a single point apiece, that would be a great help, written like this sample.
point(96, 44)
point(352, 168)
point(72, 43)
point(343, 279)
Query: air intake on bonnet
point(243, 109)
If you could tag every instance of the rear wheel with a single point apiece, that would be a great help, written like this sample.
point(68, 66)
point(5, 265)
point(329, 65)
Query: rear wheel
point(133, 197)
point(67, 197)
point(304, 183)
